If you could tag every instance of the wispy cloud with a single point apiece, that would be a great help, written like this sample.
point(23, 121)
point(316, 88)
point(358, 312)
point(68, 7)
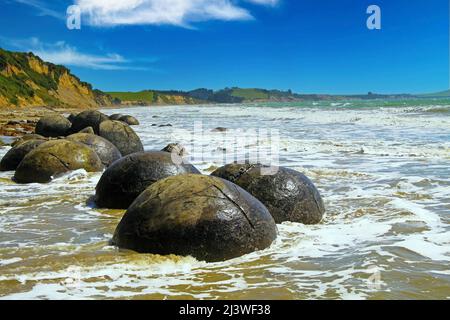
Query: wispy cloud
point(62, 53)
point(43, 9)
point(158, 12)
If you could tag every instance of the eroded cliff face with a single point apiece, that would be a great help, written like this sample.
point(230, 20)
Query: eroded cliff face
point(28, 81)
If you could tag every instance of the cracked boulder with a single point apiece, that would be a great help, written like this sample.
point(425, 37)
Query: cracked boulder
point(106, 151)
point(122, 136)
point(288, 194)
point(205, 217)
point(54, 158)
point(86, 119)
point(128, 177)
point(28, 137)
point(15, 155)
point(115, 116)
point(53, 126)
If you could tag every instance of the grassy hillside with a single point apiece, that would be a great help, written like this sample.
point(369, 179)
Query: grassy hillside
point(153, 97)
point(250, 94)
point(26, 80)
point(441, 94)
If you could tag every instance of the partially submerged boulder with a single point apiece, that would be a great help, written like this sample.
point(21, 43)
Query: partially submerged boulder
point(288, 194)
point(122, 136)
point(53, 126)
point(28, 137)
point(15, 155)
point(128, 177)
point(132, 121)
point(205, 217)
point(88, 118)
point(115, 116)
point(54, 158)
point(106, 151)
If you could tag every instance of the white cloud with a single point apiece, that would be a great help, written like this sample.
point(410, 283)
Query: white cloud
point(64, 54)
point(172, 12)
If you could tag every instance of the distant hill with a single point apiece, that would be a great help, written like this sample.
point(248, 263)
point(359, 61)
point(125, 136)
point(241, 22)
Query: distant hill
point(154, 97)
point(27, 81)
point(442, 94)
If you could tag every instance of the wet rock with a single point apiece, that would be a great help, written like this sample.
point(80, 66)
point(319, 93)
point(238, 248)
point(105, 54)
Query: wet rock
point(115, 116)
point(176, 149)
point(28, 137)
point(71, 117)
point(132, 121)
point(53, 126)
point(106, 151)
point(288, 194)
point(15, 155)
point(122, 136)
point(205, 217)
point(165, 125)
point(88, 119)
point(89, 130)
point(54, 158)
point(121, 183)
point(219, 129)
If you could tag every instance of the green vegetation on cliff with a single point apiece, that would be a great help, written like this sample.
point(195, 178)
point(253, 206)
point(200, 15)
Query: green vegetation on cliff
point(27, 80)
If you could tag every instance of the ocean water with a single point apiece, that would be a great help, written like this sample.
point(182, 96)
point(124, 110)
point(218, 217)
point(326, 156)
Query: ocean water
point(382, 167)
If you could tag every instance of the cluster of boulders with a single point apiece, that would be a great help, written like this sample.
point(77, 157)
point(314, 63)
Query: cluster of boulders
point(171, 207)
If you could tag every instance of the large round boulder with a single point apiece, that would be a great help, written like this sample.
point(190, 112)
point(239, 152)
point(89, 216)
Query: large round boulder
point(106, 151)
point(128, 177)
point(54, 158)
point(53, 126)
point(122, 136)
point(288, 194)
point(88, 118)
point(15, 155)
point(205, 217)
point(132, 121)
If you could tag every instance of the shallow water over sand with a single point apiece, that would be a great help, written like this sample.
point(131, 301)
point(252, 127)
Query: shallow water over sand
point(384, 174)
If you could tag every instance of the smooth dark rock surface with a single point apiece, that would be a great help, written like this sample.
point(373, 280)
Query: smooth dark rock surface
point(288, 194)
point(86, 119)
point(53, 126)
point(16, 154)
point(128, 177)
point(132, 121)
point(205, 217)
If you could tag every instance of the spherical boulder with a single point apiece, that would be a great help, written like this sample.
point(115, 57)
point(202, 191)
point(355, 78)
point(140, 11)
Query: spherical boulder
point(15, 155)
point(122, 182)
point(132, 121)
point(288, 194)
point(54, 158)
point(28, 137)
point(205, 217)
point(115, 116)
point(122, 136)
point(53, 126)
point(88, 118)
point(106, 151)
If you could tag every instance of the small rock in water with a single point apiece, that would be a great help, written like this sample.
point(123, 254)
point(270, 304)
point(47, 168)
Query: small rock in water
point(205, 217)
point(288, 194)
point(132, 121)
point(219, 129)
point(175, 148)
point(122, 182)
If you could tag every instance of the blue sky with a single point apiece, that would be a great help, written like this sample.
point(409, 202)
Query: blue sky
point(309, 46)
